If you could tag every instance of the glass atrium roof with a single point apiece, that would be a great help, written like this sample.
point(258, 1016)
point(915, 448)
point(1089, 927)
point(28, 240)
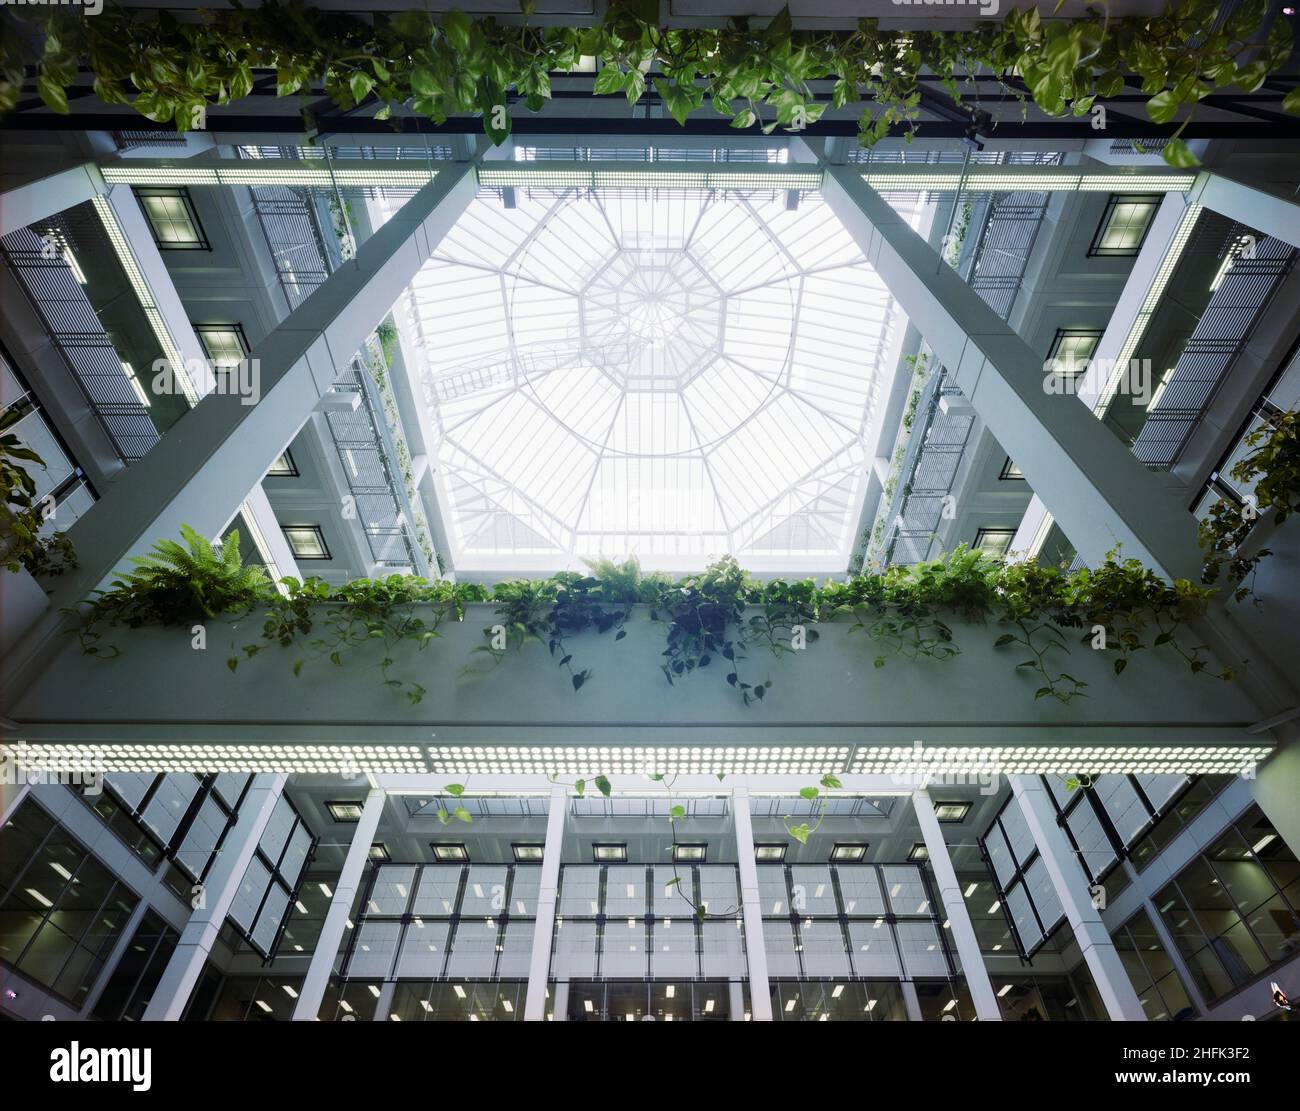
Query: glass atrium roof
point(661, 373)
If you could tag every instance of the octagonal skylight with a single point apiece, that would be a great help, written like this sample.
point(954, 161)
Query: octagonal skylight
point(665, 374)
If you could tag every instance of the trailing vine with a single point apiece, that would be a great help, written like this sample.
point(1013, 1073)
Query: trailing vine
point(761, 77)
point(713, 618)
point(23, 515)
point(1271, 470)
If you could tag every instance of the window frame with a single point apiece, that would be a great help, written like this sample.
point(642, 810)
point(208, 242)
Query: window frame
point(181, 193)
point(1096, 250)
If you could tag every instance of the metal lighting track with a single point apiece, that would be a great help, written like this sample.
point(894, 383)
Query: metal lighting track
point(550, 174)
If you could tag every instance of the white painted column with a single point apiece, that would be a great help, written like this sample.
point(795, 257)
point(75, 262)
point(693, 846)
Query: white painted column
point(1103, 960)
point(963, 933)
point(22, 205)
point(201, 471)
point(1091, 482)
point(539, 963)
point(1276, 788)
point(760, 993)
point(186, 964)
point(312, 992)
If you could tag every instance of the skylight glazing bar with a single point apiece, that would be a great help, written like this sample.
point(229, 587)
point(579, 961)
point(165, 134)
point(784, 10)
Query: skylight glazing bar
point(656, 175)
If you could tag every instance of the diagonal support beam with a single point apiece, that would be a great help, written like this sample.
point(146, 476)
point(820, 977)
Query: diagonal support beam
point(202, 470)
point(1093, 485)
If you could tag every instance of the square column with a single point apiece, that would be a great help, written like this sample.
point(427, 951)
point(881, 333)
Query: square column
point(1113, 984)
point(1091, 482)
point(312, 992)
point(539, 964)
point(182, 972)
point(963, 933)
point(760, 993)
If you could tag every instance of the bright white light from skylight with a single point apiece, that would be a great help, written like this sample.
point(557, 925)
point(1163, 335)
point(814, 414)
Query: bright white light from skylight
point(676, 376)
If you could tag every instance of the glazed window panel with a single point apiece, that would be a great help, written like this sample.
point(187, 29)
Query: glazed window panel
point(674, 953)
point(170, 801)
point(813, 891)
point(1022, 915)
point(268, 922)
point(719, 887)
point(779, 943)
point(1043, 893)
point(625, 890)
point(575, 950)
point(624, 954)
point(773, 895)
point(1125, 809)
point(723, 952)
point(860, 890)
point(579, 890)
point(439, 887)
point(1095, 847)
point(524, 888)
point(424, 950)
point(485, 890)
point(201, 838)
point(906, 889)
point(873, 949)
point(376, 945)
point(392, 889)
point(823, 947)
point(243, 910)
point(474, 949)
point(517, 949)
point(921, 949)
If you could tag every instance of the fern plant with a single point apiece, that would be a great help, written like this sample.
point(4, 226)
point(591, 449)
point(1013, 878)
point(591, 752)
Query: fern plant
point(175, 584)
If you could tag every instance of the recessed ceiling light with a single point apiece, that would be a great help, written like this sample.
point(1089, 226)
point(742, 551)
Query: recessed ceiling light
point(971, 890)
point(849, 852)
point(606, 853)
point(460, 991)
point(1263, 842)
point(689, 854)
point(448, 853)
point(951, 811)
point(919, 852)
point(1004, 989)
point(326, 890)
point(528, 853)
point(378, 851)
point(769, 853)
point(344, 812)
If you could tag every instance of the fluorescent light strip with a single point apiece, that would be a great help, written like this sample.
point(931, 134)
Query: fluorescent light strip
point(973, 761)
point(270, 172)
point(1003, 179)
point(144, 295)
point(1174, 253)
point(651, 177)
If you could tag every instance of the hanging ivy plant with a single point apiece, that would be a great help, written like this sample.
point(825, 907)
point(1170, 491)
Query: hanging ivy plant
point(23, 515)
point(1272, 471)
point(708, 618)
point(759, 77)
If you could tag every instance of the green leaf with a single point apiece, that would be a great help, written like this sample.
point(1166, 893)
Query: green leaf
point(808, 793)
point(580, 786)
point(677, 812)
point(1005, 638)
point(233, 662)
point(831, 782)
point(800, 833)
point(673, 882)
point(1179, 154)
point(1163, 107)
point(1120, 664)
point(455, 789)
point(1291, 102)
point(53, 94)
point(360, 84)
point(461, 814)
point(602, 785)
point(610, 79)
point(443, 816)
point(456, 26)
